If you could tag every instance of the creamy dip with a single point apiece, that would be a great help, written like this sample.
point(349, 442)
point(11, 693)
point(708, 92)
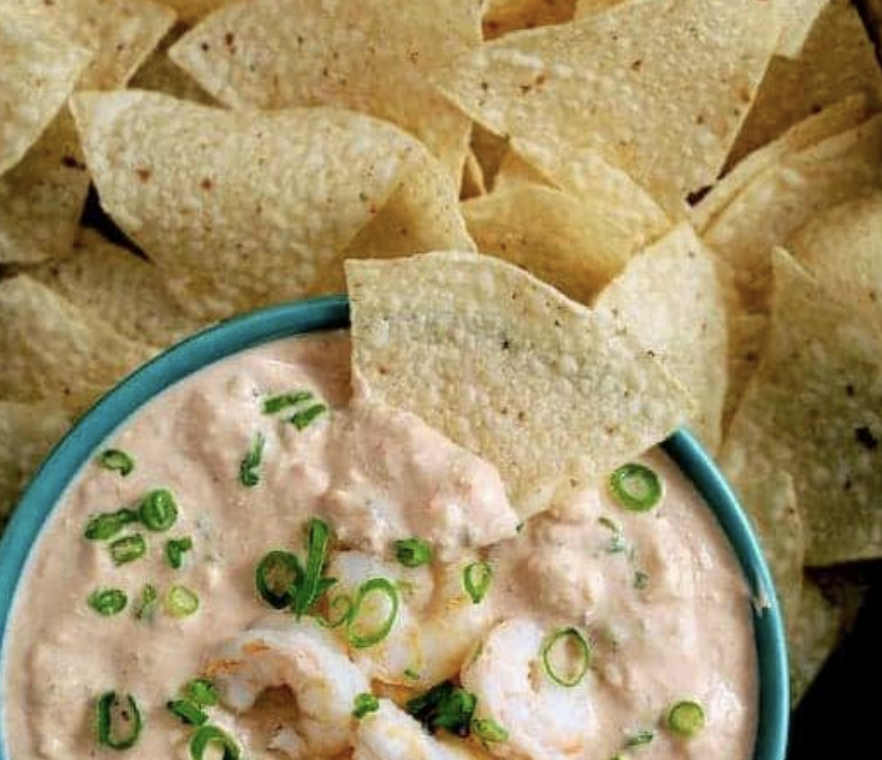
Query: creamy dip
point(657, 595)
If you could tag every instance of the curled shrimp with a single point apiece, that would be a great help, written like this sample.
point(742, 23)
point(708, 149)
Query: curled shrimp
point(435, 627)
point(543, 720)
point(311, 663)
point(392, 734)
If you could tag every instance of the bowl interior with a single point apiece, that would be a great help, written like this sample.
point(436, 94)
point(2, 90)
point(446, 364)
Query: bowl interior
point(329, 313)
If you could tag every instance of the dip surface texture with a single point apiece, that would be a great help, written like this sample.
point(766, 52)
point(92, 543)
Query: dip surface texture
point(658, 595)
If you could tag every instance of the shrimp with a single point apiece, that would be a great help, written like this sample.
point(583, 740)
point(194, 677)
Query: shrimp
point(391, 734)
point(310, 662)
point(544, 721)
point(436, 626)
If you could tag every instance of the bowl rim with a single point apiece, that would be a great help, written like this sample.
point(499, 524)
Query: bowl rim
point(332, 312)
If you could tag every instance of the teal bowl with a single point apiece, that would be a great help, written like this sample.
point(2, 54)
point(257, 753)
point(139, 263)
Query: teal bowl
point(273, 323)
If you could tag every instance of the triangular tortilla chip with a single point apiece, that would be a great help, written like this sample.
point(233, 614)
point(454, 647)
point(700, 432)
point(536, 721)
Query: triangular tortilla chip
point(622, 83)
point(671, 299)
point(514, 170)
point(27, 431)
point(816, 634)
point(490, 151)
point(52, 349)
point(38, 70)
point(238, 209)
point(118, 288)
point(836, 60)
point(504, 16)
point(814, 409)
point(800, 17)
point(159, 73)
point(552, 393)
point(370, 56)
point(747, 335)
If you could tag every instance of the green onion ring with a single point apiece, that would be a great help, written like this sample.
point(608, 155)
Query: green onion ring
point(158, 510)
point(380, 585)
point(476, 580)
point(107, 602)
point(413, 552)
point(208, 736)
point(111, 711)
point(187, 712)
point(149, 596)
point(276, 576)
point(117, 460)
point(364, 704)
point(686, 718)
point(128, 549)
point(636, 487)
point(564, 634)
point(201, 692)
point(181, 602)
point(106, 525)
point(337, 601)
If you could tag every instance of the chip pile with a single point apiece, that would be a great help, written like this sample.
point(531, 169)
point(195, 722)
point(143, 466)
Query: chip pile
point(695, 187)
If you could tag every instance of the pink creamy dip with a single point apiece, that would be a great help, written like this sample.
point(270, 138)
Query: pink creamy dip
point(659, 594)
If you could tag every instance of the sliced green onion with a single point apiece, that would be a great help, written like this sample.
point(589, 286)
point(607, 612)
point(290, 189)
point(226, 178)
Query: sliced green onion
point(107, 602)
point(686, 718)
point(108, 524)
point(175, 549)
point(476, 580)
point(248, 475)
point(181, 602)
point(444, 706)
point(128, 549)
point(642, 737)
point(187, 712)
point(636, 487)
point(367, 639)
point(115, 459)
point(488, 730)
point(276, 577)
point(213, 737)
point(158, 510)
point(201, 692)
point(337, 601)
point(413, 552)
point(364, 704)
point(302, 420)
point(285, 400)
point(561, 638)
point(312, 585)
point(147, 603)
point(119, 721)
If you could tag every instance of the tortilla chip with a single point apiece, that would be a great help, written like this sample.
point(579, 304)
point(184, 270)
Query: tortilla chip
point(800, 19)
point(815, 637)
point(814, 409)
point(671, 299)
point(492, 357)
point(504, 16)
point(514, 170)
point(490, 151)
point(572, 244)
point(38, 70)
point(473, 184)
point(844, 115)
point(119, 289)
point(837, 60)
point(159, 73)
point(566, 89)
point(842, 248)
point(52, 349)
point(28, 431)
point(238, 209)
point(190, 11)
point(747, 336)
point(280, 53)
point(781, 199)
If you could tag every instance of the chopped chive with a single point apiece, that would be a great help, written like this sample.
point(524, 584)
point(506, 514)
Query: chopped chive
point(276, 577)
point(302, 420)
point(560, 638)
point(413, 552)
point(201, 692)
point(488, 730)
point(476, 580)
point(117, 460)
point(285, 400)
point(128, 549)
point(636, 487)
point(209, 738)
point(158, 510)
point(108, 602)
point(119, 721)
point(362, 640)
point(147, 603)
point(364, 704)
point(108, 524)
point(187, 712)
point(642, 737)
point(248, 475)
point(686, 718)
point(180, 602)
point(311, 586)
point(444, 706)
point(175, 549)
